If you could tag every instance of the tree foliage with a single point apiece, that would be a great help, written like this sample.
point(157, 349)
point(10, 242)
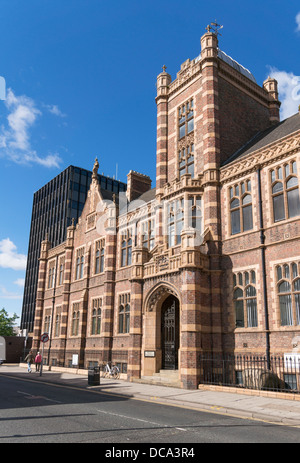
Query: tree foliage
point(6, 323)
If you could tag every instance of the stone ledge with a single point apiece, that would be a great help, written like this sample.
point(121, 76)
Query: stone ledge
point(252, 392)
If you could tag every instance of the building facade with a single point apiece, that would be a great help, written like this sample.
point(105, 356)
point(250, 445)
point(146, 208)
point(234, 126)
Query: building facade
point(54, 206)
point(209, 260)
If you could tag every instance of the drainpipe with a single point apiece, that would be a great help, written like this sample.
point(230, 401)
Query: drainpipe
point(263, 264)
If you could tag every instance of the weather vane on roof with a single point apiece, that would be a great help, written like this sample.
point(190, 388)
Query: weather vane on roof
point(214, 28)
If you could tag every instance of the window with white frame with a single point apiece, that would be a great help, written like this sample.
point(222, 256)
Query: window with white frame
point(244, 298)
point(51, 274)
point(79, 264)
point(175, 221)
point(126, 247)
point(195, 212)
point(148, 233)
point(99, 256)
point(61, 270)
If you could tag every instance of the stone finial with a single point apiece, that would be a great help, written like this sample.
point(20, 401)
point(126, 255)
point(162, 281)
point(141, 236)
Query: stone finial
point(95, 169)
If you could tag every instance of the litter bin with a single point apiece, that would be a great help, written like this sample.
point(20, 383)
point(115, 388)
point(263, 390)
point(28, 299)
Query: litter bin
point(94, 376)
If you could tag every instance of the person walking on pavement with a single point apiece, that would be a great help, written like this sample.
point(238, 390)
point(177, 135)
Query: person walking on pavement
point(29, 359)
point(38, 360)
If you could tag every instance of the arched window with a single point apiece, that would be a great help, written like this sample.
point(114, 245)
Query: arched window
point(57, 325)
point(241, 207)
point(96, 316)
point(186, 160)
point(96, 321)
point(239, 307)
point(296, 287)
point(79, 263)
point(47, 324)
point(288, 285)
point(251, 306)
point(186, 118)
point(148, 233)
point(97, 261)
point(285, 301)
point(51, 275)
point(75, 319)
point(244, 297)
point(175, 221)
point(126, 248)
point(121, 319)
point(102, 260)
point(61, 273)
point(99, 256)
point(285, 192)
point(127, 318)
point(124, 313)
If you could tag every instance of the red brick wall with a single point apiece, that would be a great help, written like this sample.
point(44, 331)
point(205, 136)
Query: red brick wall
point(241, 117)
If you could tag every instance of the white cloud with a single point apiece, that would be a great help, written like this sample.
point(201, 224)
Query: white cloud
point(22, 116)
point(9, 258)
point(15, 141)
point(289, 91)
point(54, 109)
point(298, 22)
point(20, 282)
point(4, 294)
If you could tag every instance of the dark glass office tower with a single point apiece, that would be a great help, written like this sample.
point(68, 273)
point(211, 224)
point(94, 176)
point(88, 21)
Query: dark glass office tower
point(54, 207)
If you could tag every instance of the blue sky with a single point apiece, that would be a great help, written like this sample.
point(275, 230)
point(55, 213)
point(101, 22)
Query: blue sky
point(80, 82)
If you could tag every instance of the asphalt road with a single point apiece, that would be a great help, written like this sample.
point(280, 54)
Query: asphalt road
point(44, 413)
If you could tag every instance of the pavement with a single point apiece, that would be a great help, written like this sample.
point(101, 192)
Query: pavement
point(278, 408)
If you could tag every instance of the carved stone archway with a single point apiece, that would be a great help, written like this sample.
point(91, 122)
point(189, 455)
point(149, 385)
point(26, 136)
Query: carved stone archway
point(158, 295)
point(154, 344)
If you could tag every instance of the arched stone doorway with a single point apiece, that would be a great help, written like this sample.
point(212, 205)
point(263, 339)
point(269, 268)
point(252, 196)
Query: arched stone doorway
point(161, 330)
point(170, 333)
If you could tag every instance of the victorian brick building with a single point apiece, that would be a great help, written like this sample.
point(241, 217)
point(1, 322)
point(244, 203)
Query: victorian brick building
point(206, 262)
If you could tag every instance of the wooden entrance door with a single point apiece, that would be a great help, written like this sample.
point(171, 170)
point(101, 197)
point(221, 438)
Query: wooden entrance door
point(170, 333)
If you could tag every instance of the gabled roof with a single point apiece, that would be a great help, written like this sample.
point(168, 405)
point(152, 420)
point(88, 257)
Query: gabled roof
point(266, 137)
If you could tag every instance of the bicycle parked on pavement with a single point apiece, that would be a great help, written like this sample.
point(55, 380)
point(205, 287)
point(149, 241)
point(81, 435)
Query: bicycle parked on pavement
point(111, 371)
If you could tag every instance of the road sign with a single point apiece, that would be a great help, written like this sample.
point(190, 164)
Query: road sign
point(45, 337)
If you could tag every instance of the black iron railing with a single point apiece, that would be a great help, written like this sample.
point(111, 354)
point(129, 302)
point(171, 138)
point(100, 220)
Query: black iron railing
point(279, 373)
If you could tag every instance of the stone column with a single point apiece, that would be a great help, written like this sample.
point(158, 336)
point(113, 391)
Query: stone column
point(65, 309)
point(163, 81)
point(38, 319)
point(139, 257)
point(211, 155)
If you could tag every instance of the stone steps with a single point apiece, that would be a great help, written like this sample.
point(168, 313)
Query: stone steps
point(163, 378)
